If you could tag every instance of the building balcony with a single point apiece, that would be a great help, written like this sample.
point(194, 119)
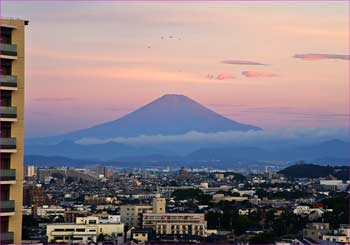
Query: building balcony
point(7, 206)
point(62, 233)
point(6, 238)
point(8, 82)
point(8, 113)
point(7, 144)
point(7, 175)
point(8, 50)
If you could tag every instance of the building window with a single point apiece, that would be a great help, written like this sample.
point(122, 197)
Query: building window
point(4, 224)
point(6, 35)
point(5, 98)
point(5, 192)
point(5, 161)
point(6, 66)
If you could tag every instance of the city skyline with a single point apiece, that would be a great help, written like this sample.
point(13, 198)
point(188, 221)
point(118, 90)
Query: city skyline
point(275, 67)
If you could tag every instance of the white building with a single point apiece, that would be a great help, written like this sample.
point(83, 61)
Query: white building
point(110, 219)
point(333, 185)
point(46, 211)
point(85, 230)
point(306, 210)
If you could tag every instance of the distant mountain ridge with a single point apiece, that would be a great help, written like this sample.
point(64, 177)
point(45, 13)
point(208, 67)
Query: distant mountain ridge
point(170, 114)
point(328, 153)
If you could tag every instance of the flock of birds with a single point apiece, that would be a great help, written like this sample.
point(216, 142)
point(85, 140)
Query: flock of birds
point(163, 37)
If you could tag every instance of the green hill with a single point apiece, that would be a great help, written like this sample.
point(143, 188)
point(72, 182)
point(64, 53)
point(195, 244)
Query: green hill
point(304, 170)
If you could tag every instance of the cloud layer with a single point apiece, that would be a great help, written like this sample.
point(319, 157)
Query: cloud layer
point(221, 76)
point(313, 56)
point(241, 62)
point(301, 136)
point(55, 99)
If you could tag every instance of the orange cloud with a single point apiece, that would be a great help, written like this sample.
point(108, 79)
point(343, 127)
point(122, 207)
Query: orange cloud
point(258, 74)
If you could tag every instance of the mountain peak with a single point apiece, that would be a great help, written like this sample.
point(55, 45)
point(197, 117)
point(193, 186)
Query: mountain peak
point(171, 114)
point(174, 98)
point(166, 96)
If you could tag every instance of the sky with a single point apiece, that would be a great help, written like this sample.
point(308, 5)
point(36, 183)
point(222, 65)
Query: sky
point(273, 65)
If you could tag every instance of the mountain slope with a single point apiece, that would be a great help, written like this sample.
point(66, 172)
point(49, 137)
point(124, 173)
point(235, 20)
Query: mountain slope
point(169, 115)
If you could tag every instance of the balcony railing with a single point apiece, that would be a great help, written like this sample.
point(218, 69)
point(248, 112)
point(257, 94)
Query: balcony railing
point(7, 143)
point(7, 206)
point(6, 237)
point(8, 112)
point(8, 81)
point(8, 49)
point(7, 174)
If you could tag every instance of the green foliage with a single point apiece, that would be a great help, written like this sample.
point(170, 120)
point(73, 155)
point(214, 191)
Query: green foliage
point(288, 223)
point(101, 237)
point(340, 206)
point(280, 194)
point(229, 219)
point(187, 194)
point(263, 238)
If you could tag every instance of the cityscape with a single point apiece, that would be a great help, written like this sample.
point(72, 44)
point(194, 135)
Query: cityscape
point(151, 122)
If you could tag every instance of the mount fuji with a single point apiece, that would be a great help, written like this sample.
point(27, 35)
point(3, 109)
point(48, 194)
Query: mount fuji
point(170, 114)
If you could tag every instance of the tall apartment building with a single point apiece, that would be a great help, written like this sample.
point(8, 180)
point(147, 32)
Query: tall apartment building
point(30, 171)
point(12, 128)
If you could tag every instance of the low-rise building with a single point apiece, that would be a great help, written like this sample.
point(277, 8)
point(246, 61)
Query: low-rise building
point(246, 211)
point(141, 236)
point(176, 223)
point(341, 235)
point(333, 185)
point(315, 231)
point(46, 211)
point(84, 230)
point(221, 197)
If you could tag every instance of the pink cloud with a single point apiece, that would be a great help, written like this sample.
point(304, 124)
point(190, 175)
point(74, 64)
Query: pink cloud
point(241, 62)
point(258, 74)
point(322, 56)
point(224, 76)
point(221, 76)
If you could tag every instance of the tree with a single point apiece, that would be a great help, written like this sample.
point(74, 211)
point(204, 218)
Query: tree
point(263, 238)
point(101, 237)
point(187, 194)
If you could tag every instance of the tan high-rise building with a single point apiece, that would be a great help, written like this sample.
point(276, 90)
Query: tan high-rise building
point(158, 204)
point(12, 129)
